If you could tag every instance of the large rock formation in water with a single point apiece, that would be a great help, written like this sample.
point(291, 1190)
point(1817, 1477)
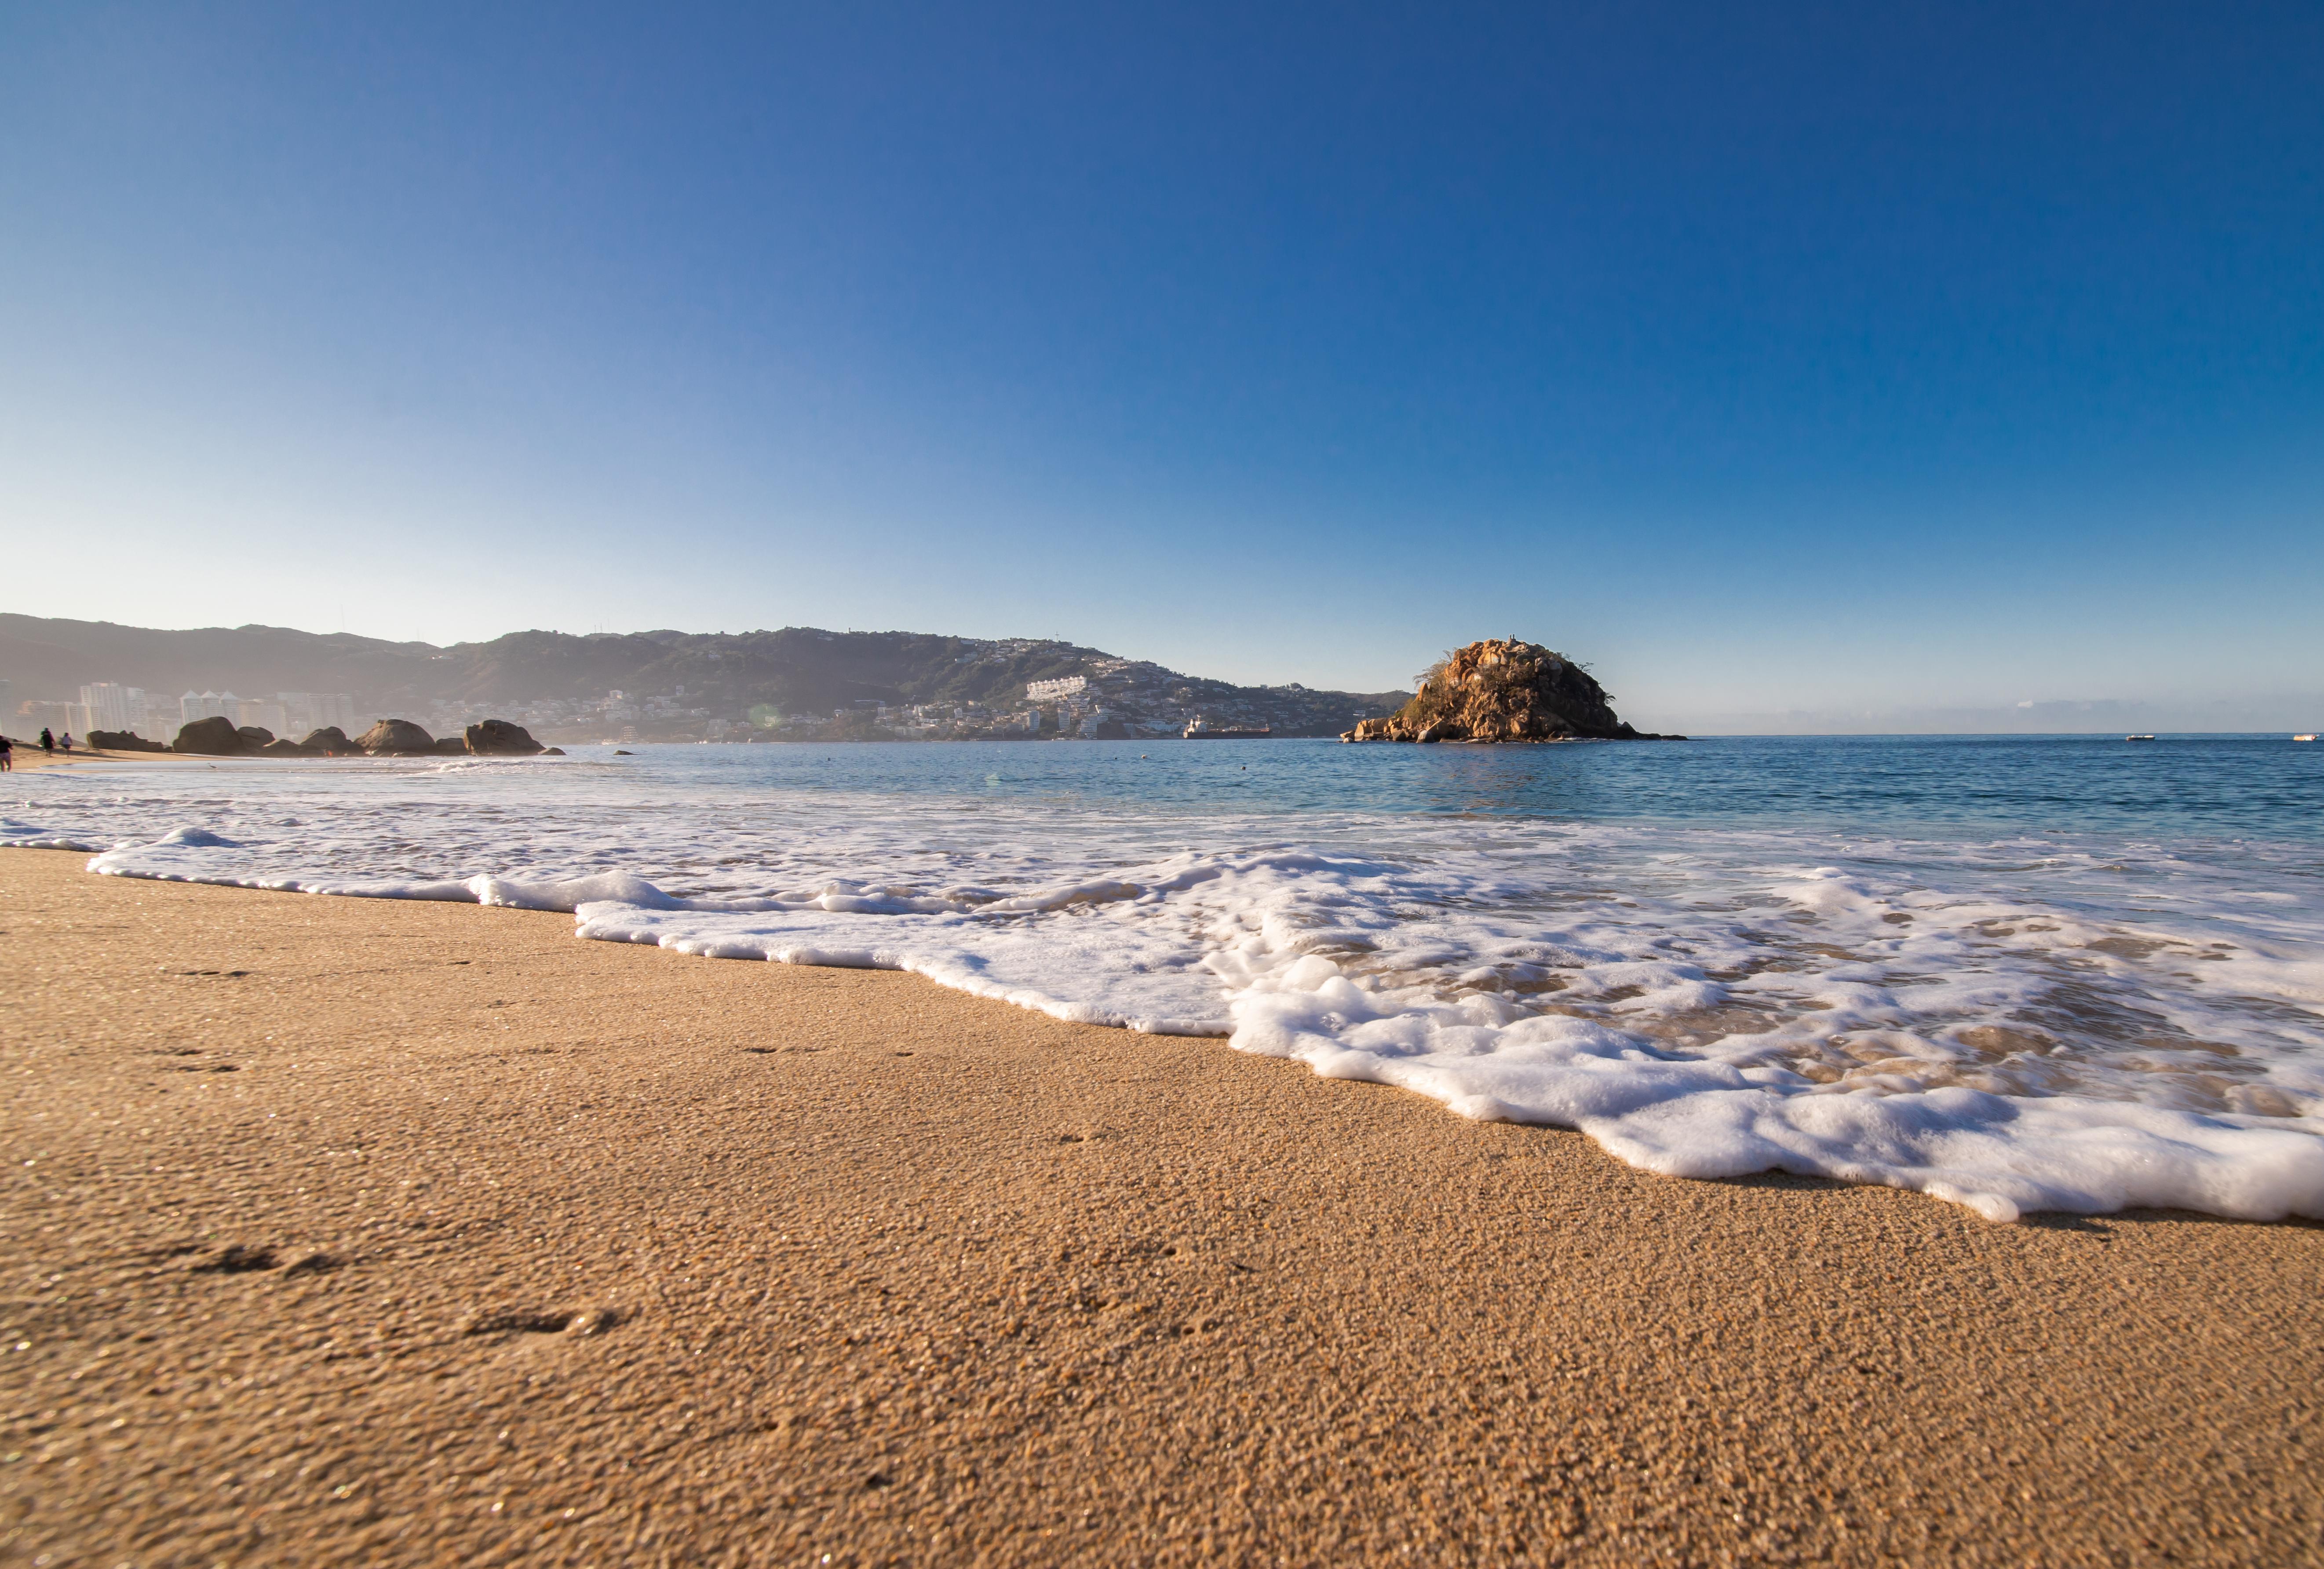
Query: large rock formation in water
point(500, 738)
point(1502, 689)
point(396, 738)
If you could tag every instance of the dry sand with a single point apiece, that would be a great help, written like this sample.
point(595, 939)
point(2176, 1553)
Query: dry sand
point(302, 1192)
point(28, 758)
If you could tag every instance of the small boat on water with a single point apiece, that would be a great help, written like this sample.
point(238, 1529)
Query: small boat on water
point(2303, 738)
point(1200, 731)
point(2138, 738)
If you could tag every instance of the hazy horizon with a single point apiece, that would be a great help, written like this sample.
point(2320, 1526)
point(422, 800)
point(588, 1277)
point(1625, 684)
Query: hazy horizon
point(1793, 369)
point(2293, 712)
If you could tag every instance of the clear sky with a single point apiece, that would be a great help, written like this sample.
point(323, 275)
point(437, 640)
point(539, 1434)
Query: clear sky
point(1814, 360)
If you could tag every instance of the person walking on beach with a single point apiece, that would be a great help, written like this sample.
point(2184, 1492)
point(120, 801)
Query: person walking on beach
point(7, 754)
point(65, 741)
point(48, 743)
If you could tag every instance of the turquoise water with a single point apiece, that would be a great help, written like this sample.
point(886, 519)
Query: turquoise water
point(2201, 786)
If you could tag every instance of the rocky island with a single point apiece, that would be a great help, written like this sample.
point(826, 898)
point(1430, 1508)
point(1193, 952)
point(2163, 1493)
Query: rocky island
point(1504, 689)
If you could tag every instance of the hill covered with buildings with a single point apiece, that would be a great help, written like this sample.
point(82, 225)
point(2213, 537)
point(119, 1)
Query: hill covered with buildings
point(798, 683)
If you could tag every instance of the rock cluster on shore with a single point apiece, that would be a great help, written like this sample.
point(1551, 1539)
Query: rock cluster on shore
point(216, 737)
point(1504, 689)
point(122, 740)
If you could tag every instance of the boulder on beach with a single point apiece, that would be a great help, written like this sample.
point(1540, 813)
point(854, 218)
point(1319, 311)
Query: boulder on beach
point(211, 737)
point(502, 738)
point(254, 736)
point(122, 740)
point(396, 738)
point(451, 747)
point(1503, 690)
point(285, 747)
point(328, 742)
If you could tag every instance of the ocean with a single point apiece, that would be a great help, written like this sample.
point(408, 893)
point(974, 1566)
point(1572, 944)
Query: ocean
point(2063, 973)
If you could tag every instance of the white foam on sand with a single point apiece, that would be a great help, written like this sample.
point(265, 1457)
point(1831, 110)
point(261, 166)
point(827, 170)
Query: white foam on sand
point(2032, 1023)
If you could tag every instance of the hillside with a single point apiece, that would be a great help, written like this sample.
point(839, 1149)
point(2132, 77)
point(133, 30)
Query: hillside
point(48, 659)
point(797, 682)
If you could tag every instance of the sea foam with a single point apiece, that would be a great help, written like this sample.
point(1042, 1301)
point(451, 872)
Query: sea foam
point(2012, 1022)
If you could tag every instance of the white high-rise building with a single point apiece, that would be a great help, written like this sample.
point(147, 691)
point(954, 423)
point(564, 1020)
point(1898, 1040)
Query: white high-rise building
point(263, 712)
point(33, 715)
point(312, 711)
point(195, 706)
point(108, 705)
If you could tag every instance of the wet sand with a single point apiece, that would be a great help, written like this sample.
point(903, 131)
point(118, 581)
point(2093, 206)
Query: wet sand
point(346, 1230)
point(29, 755)
point(30, 759)
point(23, 759)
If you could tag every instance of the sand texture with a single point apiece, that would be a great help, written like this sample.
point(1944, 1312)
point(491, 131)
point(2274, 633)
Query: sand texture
point(302, 1196)
point(29, 758)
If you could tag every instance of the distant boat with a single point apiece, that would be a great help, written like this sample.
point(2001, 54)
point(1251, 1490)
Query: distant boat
point(1199, 731)
point(2138, 738)
point(2303, 738)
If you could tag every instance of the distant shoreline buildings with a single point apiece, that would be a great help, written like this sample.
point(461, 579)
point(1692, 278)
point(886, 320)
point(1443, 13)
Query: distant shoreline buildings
point(157, 716)
point(797, 683)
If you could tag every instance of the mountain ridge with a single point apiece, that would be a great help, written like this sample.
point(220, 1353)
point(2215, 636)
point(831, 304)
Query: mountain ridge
point(788, 679)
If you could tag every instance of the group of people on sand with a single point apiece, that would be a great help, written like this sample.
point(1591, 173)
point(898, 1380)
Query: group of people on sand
point(49, 747)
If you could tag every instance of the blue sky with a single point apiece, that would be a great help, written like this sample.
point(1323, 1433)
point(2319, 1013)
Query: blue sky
point(1818, 361)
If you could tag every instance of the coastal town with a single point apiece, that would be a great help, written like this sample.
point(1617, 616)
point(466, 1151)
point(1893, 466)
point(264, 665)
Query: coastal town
point(796, 685)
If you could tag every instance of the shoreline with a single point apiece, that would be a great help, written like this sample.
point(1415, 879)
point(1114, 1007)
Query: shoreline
point(304, 1194)
point(32, 759)
point(2179, 1164)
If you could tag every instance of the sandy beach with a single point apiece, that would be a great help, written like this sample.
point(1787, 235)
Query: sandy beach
point(345, 1231)
point(28, 758)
